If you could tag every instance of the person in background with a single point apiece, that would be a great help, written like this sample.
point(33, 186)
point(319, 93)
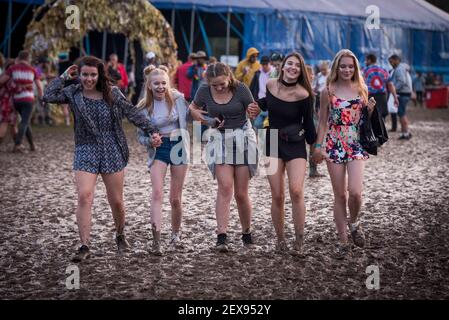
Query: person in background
point(23, 75)
point(402, 81)
point(418, 88)
point(8, 118)
point(247, 68)
point(196, 71)
point(379, 84)
point(212, 60)
point(116, 67)
point(258, 87)
point(313, 167)
point(181, 81)
point(320, 82)
point(276, 61)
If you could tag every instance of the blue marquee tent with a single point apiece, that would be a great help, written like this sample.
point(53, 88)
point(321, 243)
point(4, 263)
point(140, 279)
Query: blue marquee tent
point(318, 29)
point(415, 29)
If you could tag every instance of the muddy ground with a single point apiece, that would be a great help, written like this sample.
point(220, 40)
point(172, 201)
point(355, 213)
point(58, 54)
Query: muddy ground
point(405, 215)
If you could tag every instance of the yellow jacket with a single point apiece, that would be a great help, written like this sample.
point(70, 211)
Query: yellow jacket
point(251, 68)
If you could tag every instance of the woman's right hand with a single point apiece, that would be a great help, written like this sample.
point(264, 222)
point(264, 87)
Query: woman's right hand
point(71, 72)
point(317, 156)
point(156, 140)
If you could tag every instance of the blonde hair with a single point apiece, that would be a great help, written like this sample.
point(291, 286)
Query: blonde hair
point(357, 78)
point(147, 100)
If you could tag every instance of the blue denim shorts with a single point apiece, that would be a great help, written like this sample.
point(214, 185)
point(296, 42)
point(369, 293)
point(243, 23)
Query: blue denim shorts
point(164, 152)
point(403, 101)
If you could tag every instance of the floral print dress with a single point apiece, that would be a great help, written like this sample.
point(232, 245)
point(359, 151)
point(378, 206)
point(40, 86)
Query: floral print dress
point(343, 136)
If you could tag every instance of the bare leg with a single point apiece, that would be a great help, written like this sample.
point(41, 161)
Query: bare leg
point(241, 182)
point(276, 181)
point(355, 186)
point(296, 171)
point(338, 178)
point(85, 187)
point(225, 178)
point(114, 189)
point(178, 174)
point(157, 172)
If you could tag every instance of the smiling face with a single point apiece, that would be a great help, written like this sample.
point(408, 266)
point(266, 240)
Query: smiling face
point(220, 84)
point(89, 77)
point(159, 84)
point(291, 69)
point(346, 68)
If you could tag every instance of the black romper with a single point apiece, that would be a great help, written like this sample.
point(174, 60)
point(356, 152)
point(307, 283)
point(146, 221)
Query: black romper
point(281, 114)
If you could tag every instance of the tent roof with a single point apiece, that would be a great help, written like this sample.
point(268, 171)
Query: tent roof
point(418, 13)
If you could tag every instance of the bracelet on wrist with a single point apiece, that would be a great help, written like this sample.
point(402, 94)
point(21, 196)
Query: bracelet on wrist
point(317, 145)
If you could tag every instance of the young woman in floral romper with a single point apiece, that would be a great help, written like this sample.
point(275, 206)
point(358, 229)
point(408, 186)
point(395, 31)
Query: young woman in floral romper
point(340, 112)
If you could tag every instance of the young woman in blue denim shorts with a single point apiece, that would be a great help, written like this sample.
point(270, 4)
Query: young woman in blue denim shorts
point(100, 143)
point(167, 110)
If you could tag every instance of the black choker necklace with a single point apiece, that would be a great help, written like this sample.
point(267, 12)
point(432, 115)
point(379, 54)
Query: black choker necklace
point(288, 84)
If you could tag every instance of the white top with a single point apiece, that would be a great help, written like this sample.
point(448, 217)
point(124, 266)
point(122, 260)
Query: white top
point(319, 83)
point(263, 78)
point(160, 118)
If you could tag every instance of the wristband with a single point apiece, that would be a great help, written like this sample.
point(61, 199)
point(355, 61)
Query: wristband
point(317, 145)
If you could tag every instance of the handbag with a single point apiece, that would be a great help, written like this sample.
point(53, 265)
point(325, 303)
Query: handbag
point(292, 133)
point(368, 139)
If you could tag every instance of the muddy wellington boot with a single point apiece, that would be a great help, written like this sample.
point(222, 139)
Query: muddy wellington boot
point(156, 246)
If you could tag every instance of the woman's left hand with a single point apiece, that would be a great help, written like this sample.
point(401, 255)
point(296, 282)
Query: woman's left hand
point(371, 104)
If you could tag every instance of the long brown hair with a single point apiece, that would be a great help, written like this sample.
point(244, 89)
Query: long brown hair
point(357, 78)
point(219, 69)
point(104, 82)
point(148, 99)
point(303, 78)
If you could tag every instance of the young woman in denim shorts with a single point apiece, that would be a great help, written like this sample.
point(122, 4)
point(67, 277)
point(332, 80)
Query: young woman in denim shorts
point(167, 110)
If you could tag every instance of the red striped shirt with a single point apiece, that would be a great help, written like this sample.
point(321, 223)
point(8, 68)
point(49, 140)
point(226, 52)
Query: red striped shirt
point(23, 76)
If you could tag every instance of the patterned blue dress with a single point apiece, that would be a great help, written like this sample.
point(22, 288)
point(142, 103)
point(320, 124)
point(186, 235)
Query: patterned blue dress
point(104, 156)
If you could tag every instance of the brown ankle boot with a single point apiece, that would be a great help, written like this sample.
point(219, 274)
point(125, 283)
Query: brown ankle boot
point(156, 247)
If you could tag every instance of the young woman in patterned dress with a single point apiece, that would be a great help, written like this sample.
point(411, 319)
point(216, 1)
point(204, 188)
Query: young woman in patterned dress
point(100, 143)
point(340, 112)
